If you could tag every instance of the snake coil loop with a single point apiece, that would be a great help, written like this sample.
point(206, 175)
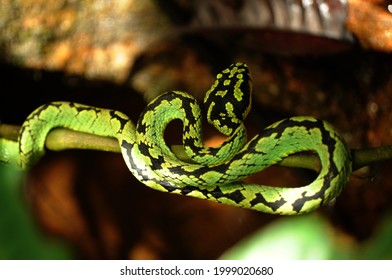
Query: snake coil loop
point(214, 172)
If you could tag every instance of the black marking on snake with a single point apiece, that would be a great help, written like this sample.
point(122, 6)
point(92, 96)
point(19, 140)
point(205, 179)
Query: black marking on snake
point(78, 109)
point(197, 172)
point(217, 193)
point(128, 148)
point(164, 183)
point(287, 123)
point(186, 105)
point(274, 205)
point(123, 122)
point(144, 149)
point(190, 143)
point(330, 143)
point(235, 196)
point(156, 162)
point(176, 169)
point(299, 203)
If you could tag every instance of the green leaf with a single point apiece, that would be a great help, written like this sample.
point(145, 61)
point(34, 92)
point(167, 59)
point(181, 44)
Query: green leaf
point(307, 237)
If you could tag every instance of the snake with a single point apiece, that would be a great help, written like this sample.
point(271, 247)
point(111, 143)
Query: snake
point(213, 173)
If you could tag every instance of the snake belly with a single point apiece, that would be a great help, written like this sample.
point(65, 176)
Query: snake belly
point(214, 173)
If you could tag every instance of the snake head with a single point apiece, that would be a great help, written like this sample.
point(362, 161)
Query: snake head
point(229, 99)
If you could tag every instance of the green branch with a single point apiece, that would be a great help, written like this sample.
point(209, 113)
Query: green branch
point(63, 139)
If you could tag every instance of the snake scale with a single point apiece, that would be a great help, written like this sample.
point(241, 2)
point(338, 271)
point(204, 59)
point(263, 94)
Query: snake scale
point(214, 173)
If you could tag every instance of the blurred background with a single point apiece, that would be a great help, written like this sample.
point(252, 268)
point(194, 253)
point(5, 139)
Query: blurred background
point(327, 59)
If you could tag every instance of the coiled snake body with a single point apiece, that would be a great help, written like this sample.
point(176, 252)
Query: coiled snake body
point(214, 172)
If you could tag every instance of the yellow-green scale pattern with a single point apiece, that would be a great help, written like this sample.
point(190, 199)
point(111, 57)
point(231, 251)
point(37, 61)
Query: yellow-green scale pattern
point(215, 172)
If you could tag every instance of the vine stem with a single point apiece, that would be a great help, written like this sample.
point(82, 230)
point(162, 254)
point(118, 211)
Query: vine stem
point(63, 139)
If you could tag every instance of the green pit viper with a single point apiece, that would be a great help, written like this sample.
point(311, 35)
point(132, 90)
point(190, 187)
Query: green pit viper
point(214, 173)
